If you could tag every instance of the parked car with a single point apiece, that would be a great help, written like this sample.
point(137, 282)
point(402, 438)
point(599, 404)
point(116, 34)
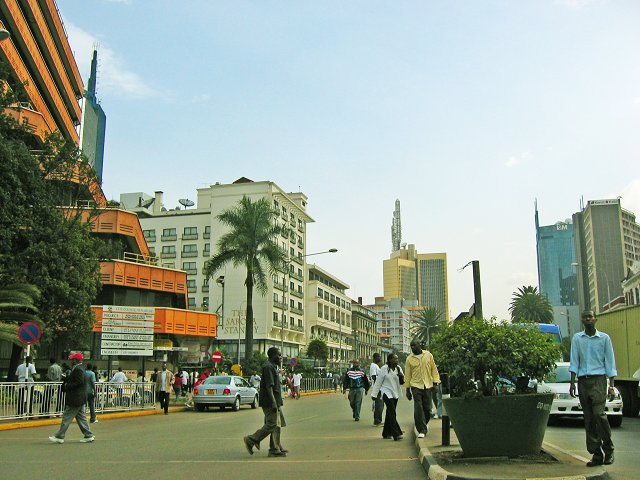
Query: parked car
point(224, 391)
point(564, 405)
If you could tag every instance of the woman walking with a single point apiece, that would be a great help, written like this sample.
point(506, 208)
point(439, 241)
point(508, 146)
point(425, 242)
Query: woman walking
point(388, 382)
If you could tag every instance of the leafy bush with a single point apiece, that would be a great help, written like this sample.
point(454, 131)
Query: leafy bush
point(475, 353)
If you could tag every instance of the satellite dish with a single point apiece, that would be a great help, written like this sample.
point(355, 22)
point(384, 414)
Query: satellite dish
point(185, 202)
point(148, 203)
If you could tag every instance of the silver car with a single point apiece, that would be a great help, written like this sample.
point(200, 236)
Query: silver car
point(224, 391)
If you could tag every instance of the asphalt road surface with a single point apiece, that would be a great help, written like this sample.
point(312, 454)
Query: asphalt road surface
point(323, 439)
point(569, 435)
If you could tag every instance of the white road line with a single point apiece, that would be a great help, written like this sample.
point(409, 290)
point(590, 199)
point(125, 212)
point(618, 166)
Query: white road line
point(186, 462)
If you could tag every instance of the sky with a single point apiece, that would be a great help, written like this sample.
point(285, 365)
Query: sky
point(465, 111)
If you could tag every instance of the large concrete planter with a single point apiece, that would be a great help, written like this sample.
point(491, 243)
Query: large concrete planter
point(506, 425)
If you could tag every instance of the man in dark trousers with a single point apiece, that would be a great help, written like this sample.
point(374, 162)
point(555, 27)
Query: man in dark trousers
point(420, 376)
point(592, 361)
point(271, 403)
point(356, 381)
point(76, 396)
point(378, 403)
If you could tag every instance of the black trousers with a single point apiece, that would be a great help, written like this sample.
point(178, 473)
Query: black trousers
point(164, 400)
point(391, 427)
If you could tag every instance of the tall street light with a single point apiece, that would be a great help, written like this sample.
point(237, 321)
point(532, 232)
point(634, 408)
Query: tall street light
point(284, 292)
point(220, 281)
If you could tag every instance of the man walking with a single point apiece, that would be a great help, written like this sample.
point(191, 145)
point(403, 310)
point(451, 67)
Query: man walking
point(378, 402)
point(75, 386)
point(271, 402)
point(592, 361)
point(54, 374)
point(164, 383)
point(421, 375)
point(356, 381)
point(25, 373)
point(297, 380)
point(119, 378)
point(91, 391)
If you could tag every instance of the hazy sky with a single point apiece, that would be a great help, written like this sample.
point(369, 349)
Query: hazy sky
point(466, 111)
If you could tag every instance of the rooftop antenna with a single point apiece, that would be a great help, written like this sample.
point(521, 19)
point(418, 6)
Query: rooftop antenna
point(185, 202)
point(396, 228)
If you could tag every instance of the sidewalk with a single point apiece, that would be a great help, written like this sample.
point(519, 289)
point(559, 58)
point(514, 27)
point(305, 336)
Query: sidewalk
point(446, 463)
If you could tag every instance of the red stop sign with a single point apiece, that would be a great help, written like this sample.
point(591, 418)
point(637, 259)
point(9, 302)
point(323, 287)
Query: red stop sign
point(216, 356)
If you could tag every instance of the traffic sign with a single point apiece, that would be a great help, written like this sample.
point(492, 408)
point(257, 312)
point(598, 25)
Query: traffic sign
point(216, 357)
point(29, 333)
point(293, 362)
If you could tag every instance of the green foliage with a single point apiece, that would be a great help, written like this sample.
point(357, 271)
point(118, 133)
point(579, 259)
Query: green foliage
point(17, 305)
point(317, 349)
point(424, 323)
point(528, 305)
point(254, 364)
point(476, 352)
point(251, 242)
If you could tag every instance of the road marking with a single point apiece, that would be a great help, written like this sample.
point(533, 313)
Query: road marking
point(185, 462)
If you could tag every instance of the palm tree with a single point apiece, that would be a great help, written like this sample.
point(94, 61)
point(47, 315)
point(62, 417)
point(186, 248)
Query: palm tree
point(17, 305)
point(424, 321)
point(251, 242)
point(317, 348)
point(528, 305)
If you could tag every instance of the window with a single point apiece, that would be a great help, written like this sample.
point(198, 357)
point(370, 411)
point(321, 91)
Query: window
point(205, 304)
point(169, 234)
point(299, 305)
point(190, 248)
point(333, 299)
point(292, 253)
point(320, 292)
point(292, 286)
point(149, 234)
point(319, 310)
point(275, 316)
point(207, 247)
point(207, 232)
point(191, 284)
point(326, 296)
point(292, 304)
point(190, 267)
point(192, 302)
point(169, 251)
point(275, 297)
point(152, 251)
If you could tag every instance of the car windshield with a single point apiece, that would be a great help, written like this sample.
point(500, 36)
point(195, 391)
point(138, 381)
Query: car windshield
point(559, 375)
point(217, 381)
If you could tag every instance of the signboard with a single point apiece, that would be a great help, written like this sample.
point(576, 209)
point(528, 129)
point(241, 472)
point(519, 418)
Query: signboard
point(29, 333)
point(293, 362)
point(127, 330)
point(216, 357)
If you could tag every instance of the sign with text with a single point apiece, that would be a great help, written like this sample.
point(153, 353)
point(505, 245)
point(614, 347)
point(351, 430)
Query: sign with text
point(127, 330)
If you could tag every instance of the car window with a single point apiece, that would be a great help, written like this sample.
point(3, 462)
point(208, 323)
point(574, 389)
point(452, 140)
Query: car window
point(238, 382)
point(245, 383)
point(559, 375)
point(217, 381)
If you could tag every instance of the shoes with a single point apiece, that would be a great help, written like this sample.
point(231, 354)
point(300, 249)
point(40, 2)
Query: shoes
point(248, 445)
point(284, 450)
point(357, 419)
point(94, 421)
point(55, 439)
point(387, 437)
point(608, 459)
point(399, 437)
point(377, 424)
point(88, 439)
point(594, 462)
point(421, 435)
point(277, 454)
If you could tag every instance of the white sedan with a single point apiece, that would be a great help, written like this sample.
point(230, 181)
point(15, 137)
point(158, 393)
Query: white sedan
point(564, 404)
point(224, 391)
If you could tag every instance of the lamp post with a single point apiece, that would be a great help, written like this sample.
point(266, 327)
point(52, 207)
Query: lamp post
point(477, 288)
point(220, 281)
point(285, 305)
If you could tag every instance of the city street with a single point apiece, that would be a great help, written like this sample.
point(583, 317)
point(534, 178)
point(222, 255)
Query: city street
point(323, 440)
point(569, 435)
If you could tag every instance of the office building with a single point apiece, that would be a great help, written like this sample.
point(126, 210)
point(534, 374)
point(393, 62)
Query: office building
point(394, 321)
point(366, 338)
point(186, 237)
point(555, 248)
point(94, 123)
point(607, 241)
point(329, 315)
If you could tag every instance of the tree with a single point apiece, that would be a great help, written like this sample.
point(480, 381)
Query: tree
point(251, 242)
point(317, 348)
point(424, 322)
point(17, 305)
point(528, 305)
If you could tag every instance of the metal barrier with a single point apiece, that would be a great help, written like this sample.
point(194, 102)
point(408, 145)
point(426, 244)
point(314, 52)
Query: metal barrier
point(46, 399)
point(316, 384)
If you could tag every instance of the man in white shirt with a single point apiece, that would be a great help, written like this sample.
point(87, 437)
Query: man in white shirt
point(297, 379)
point(164, 384)
point(378, 403)
point(119, 378)
point(25, 373)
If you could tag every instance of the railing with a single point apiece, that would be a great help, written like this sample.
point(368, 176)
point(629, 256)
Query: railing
point(316, 384)
point(45, 399)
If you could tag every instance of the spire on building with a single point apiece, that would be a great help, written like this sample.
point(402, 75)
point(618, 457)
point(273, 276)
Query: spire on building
point(396, 228)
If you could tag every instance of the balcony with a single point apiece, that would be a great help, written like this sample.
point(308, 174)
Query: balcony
point(167, 255)
point(297, 260)
point(192, 289)
point(297, 328)
point(190, 236)
point(150, 239)
point(192, 271)
point(205, 288)
point(189, 254)
point(300, 244)
point(296, 276)
point(301, 228)
point(299, 311)
point(280, 286)
point(280, 305)
point(206, 235)
point(169, 238)
point(296, 293)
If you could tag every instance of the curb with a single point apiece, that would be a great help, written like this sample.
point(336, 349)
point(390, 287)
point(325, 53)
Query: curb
point(434, 471)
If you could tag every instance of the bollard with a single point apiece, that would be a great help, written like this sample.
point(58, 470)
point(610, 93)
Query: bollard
point(446, 425)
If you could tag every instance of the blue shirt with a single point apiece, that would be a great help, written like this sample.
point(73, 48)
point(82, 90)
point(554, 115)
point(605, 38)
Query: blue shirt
point(592, 355)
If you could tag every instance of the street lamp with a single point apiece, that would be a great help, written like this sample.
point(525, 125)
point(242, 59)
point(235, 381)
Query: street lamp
point(285, 306)
point(220, 281)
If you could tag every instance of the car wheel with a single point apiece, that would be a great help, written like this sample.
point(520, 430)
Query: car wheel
point(200, 407)
point(254, 405)
point(236, 404)
point(615, 420)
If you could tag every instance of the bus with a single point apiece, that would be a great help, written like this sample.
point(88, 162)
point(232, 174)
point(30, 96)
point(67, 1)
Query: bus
point(551, 330)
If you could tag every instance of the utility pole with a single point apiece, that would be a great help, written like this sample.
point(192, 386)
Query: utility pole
point(477, 289)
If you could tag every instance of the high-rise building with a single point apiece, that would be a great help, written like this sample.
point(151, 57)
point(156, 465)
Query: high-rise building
point(365, 332)
point(394, 321)
point(555, 248)
point(185, 239)
point(607, 240)
point(419, 277)
point(94, 123)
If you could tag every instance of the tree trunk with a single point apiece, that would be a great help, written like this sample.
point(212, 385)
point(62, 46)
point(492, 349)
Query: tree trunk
point(248, 333)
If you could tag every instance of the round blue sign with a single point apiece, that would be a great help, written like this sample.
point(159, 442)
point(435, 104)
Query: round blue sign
point(293, 362)
point(29, 333)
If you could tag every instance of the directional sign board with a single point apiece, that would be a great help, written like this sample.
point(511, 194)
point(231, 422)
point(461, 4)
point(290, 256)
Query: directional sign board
point(127, 330)
point(29, 333)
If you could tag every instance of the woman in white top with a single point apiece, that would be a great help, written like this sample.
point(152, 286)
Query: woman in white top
point(388, 382)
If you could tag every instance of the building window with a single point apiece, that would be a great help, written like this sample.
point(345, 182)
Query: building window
point(192, 302)
point(169, 234)
point(149, 235)
point(275, 316)
point(169, 251)
point(319, 310)
point(320, 292)
point(152, 251)
point(207, 232)
point(190, 250)
point(205, 304)
point(190, 233)
point(191, 286)
point(190, 268)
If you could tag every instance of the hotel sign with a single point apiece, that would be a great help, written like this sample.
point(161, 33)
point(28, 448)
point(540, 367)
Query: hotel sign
point(127, 330)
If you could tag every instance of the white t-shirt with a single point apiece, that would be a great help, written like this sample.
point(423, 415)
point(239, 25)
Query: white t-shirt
point(388, 383)
point(119, 377)
point(297, 377)
point(21, 372)
point(374, 371)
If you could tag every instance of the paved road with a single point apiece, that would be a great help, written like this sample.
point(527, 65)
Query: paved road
point(569, 435)
point(323, 440)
